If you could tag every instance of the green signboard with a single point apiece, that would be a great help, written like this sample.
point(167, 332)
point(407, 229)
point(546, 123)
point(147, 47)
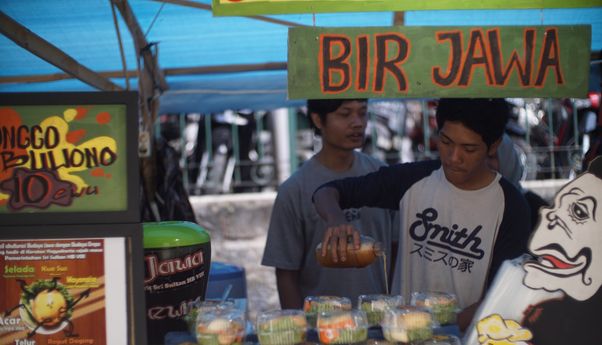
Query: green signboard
point(68, 153)
point(422, 62)
point(255, 7)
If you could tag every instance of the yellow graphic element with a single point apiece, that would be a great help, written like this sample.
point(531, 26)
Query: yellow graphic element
point(494, 330)
point(65, 169)
point(81, 282)
point(65, 173)
point(69, 114)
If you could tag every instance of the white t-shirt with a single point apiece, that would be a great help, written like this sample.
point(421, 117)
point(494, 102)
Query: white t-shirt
point(451, 240)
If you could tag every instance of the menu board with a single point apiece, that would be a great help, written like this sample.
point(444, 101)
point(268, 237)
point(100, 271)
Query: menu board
point(61, 291)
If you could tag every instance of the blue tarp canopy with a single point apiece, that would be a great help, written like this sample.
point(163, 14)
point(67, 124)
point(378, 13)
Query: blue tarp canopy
point(191, 39)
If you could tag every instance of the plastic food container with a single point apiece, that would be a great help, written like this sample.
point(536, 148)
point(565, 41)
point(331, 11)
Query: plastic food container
point(315, 304)
point(221, 327)
point(407, 324)
point(204, 307)
point(342, 327)
point(375, 305)
point(443, 306)
point(281, 327)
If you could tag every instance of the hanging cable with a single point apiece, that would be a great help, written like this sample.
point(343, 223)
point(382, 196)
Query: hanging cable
point(154, 19)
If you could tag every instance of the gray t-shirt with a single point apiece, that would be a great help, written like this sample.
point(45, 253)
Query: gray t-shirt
point(296, 229)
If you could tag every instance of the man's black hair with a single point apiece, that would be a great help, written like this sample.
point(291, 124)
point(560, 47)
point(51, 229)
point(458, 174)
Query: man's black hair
point(595, 167)
point(486, 117)
point(325, 106)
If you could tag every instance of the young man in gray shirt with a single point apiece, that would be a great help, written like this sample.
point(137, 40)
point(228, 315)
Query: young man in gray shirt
point(296, 228)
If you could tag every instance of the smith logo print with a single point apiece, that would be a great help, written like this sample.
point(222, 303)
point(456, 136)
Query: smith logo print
point(452, 245)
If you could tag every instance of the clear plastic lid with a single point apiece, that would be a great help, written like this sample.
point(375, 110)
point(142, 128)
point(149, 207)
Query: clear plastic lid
point(278, 320)
point(316, 304)
point(407, 317)
point(443, 305)
point(342, 326)
point(375, 305)
point(379, 302)
point(220, 326)
point(203, 307)
point(215, 304)
point(407, 324)
point(281, 327)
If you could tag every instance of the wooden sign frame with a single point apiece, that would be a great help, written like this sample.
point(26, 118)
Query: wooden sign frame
point(257, 7)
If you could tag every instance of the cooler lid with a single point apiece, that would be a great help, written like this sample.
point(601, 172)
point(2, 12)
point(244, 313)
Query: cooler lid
point(173, 234)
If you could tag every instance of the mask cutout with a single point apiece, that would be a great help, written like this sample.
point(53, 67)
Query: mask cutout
point(552, 295)
point(567, 243)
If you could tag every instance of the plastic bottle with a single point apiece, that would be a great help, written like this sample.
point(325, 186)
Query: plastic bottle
point(368, 252)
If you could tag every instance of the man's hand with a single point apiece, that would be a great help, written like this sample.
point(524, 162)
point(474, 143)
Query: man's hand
point(336, 239)
point(337, 235)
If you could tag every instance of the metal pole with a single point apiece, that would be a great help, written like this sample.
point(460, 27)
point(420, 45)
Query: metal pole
point(258, 132)
point(551, 134)
point(292, 134)
point(281, 143)
point(208, 139)
point(426, 129)
point(575, 125)
point(183, 165)
point(236, 151)
point(373, 133)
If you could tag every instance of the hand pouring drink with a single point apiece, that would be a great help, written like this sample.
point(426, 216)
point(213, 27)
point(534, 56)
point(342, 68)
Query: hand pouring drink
point(362, 257)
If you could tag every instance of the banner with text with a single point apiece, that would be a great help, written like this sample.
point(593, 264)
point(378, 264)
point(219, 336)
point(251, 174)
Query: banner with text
point(254, 7)
point(425, 62)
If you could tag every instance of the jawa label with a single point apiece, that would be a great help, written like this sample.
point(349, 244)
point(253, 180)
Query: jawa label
point(175, 280)
point(53, 292)
point(62, 158)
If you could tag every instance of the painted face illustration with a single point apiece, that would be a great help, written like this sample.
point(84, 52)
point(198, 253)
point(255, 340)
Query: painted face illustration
point(568, 241)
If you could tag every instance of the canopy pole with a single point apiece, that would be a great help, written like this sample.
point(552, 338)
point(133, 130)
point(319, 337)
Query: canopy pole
point(151, 83)
point(121, 53)
point(51, 54)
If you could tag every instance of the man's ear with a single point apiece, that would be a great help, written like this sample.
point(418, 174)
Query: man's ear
point(492, 151)
point(315, 118)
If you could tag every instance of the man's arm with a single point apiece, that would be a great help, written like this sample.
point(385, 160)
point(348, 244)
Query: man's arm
point(287, 282)
point(338, 231)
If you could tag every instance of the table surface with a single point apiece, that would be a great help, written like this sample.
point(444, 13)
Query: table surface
point(375, 335)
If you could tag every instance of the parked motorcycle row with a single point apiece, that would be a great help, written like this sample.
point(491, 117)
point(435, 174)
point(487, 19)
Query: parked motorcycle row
point(233, 151)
